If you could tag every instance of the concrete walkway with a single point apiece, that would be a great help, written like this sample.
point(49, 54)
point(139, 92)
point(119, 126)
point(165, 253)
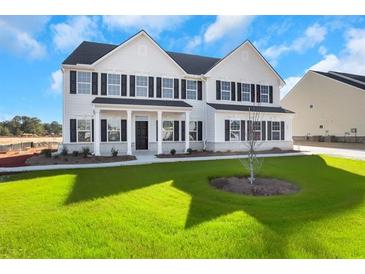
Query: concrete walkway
point(357, 154)
point(142, 159)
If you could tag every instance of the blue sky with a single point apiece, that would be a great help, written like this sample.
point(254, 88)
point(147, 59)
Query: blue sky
point(33, 47)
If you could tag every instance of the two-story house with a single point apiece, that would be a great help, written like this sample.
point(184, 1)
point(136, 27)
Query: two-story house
point(137, 96)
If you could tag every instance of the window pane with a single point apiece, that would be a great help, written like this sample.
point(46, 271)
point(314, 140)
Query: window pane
point(141, 81)
point(246, 92)
point(276, 135)
point(167, 83)
point(114, 136)
point(167, 93)
point(167, 130)
point(83, 76)
point(83, 88)
point(142, 91)
point(264, 94)
point(113, 90)
point(192, 126)
point(191, 84)
point(235, 136)
point(226, 95)
point(83, 125)
point(191, 94)
point(275, 126)
point(226, 85)
point(256, 126)
point(192, 136)
point(113, 125)
point(235, 125)
point(114, 79)
point(168, 125)
point(84, 136)
point(257, 135)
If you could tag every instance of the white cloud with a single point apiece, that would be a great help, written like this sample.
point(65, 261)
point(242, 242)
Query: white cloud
point(290, 83)
point(69, 34)
point(57, 82)
point(313, 36)
point(18, 34)
point(154, 25)
point(224, 25)
point(193, 43)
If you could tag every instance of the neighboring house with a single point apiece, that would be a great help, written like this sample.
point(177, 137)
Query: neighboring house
point(137, 96)
point(328, 104)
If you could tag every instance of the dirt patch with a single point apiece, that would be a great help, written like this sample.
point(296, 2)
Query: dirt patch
point(261, 186)
point(70, 159)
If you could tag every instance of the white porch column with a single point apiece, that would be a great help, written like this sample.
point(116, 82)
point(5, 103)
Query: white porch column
point(187, 122)
point(129, 132)
point(97, 132)
point(159, 132)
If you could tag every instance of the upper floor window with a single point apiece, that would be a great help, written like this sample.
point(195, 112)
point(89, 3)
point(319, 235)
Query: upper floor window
point(83, 131)
point(264, 94)
point(167, 130)
point(113, 84)
point(167, 87)
point(275, 130)
point(141, 86)
point(246, 92)
point(235, 130)
point(191, 89)
point(83, 82)
point(113, 130)
point(225, 90)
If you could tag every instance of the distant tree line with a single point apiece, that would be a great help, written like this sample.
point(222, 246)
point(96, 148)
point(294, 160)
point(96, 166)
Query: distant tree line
point(21, 125)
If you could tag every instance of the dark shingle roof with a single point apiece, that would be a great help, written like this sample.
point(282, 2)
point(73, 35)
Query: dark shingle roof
point(140, 102)
point(333, 75)
point(89, 52)
point(248, 108)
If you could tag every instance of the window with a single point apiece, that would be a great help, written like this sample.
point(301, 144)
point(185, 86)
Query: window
point(235, 130)
point(191, 89)
point(246, 92)
point(275, 130)
point(167, 87)
point(225, 90)
point(193, 131)
point(264, 94)
point(113, 130)
point(141, 86)
point(256, 130)
point(113, 84)
point(83, 131)
point(83, 82)
point(167, 130)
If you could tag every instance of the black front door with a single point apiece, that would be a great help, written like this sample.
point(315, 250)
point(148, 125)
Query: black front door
point(141, 135)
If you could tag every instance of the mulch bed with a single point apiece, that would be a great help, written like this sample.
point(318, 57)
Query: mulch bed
point(70, 159)
point(261, 186)
point(219, 153)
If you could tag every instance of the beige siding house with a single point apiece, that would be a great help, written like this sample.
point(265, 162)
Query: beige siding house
point(328, 104)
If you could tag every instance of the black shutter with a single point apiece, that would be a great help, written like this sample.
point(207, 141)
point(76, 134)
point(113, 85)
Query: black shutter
point(156, 130)
point(94, 87)
point(176, 130)
point(263, 130)
point(183, 89)
point(226, 130)
point(233, 91)
point(270, 94)
point(200, 130)
point(269, 132)
point(218, 89)
point(249, 131)
point(123, 129)
point(200, 90)
point(258, 94)
point(282, 130)
point(72, 130)
point(176, 88)
point(103, 83)
point(103, 130)
point(123, 86)
point(92, 130)
point(239, 92)
point(150, 87)
point(252, 93)
point(73, 82)
point(243, 130)
point(182, 130)
point(132, 85)
point(158, 88)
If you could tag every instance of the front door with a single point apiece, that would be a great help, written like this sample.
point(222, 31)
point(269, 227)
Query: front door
point(141, 135)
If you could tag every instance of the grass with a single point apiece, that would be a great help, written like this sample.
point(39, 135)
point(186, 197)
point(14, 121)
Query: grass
point(170, 211)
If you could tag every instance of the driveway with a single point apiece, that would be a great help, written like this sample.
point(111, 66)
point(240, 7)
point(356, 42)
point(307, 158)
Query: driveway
point(352, 153)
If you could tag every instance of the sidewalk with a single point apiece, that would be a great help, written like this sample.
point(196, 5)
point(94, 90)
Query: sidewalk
point(141, 160)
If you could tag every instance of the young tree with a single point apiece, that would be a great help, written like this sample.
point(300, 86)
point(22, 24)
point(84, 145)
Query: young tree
point(252, 163)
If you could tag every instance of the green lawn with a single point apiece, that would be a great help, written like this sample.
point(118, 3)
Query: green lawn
point(170, 211)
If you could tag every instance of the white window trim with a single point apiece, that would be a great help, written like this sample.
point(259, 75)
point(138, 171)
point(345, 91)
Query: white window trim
point(243, 92)
point(135, 86)
point(77, 82)
point(239, 130)
point(119, 86)
point(77, 131)
point(268, 94)
point(272, 130)
point(172, 89)
point(173, 131)
point(230, 91)
point(196, 90)
point(107, 130)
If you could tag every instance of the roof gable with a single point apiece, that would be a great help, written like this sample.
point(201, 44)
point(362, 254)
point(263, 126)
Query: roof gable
point(350, 79)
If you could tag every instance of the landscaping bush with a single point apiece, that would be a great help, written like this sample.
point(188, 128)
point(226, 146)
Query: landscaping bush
point(47, 152)
point(189, 150)
point(114, 152)
point(85, 151)
point(64, 151)
point(173, 151)
point(75, 153)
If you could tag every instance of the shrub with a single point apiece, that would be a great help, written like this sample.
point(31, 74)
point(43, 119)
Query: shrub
point(75, 153)
point(85, 151)
point(47, 152)
point(173, 151)
point(189, 150)
point(64, 151)
point(114, 152)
